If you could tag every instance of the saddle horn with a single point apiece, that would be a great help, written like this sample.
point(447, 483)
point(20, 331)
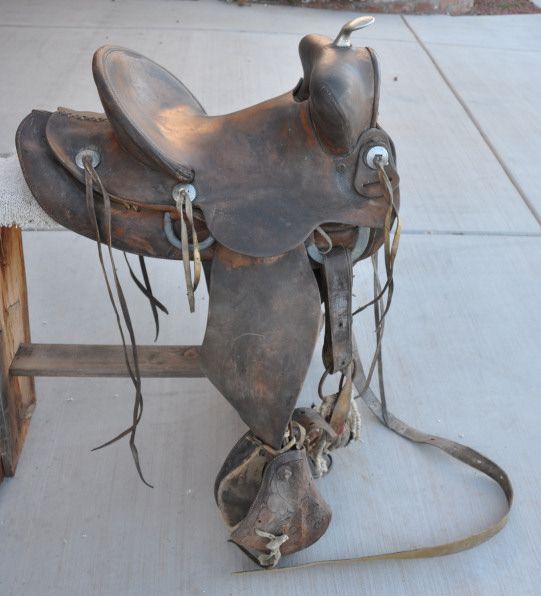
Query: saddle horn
point(343, 38)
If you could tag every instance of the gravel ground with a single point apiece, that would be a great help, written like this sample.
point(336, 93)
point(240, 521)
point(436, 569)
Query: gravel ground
point(504, 7)
point(481, 7)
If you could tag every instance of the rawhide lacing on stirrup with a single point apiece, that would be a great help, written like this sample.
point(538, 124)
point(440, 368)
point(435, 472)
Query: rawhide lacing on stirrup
point(340, 411)
point(273, 545)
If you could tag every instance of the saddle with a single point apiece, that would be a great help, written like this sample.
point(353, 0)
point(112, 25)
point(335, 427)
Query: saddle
point(275, 203)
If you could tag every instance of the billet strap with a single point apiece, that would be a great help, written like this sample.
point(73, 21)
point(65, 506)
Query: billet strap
point(337, 278)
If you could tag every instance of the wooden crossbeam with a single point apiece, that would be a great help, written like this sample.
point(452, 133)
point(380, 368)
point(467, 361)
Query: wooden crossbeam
point(79, 360)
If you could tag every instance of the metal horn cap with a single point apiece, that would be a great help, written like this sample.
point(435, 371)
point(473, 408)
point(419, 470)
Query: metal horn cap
point(343, 38)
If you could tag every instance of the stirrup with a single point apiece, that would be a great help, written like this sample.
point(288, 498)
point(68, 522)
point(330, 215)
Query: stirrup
point(269, 501)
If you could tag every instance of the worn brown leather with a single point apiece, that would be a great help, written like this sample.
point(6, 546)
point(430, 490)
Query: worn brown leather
point(270, 181)
point(337, 276)
point(262, 328)
point(239, 479)
point(263, 176)
point(342, 89)
point(126, 178)
point(138, 94)
point(256, 490)
point(62, 197)
point(287, 503)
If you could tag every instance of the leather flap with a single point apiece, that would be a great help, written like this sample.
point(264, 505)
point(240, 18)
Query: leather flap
point(366, 180)
point(124, 176)
point(262, 327)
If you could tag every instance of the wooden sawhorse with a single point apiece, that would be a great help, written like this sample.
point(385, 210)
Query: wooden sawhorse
point(21, 360)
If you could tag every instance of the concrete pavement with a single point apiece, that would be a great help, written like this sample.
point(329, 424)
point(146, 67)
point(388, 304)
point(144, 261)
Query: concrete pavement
point(462, 341)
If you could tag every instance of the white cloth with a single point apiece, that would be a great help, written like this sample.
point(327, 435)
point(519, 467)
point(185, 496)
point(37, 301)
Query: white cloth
point(17, 205)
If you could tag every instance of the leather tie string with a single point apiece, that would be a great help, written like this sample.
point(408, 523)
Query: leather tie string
point(391, 240)
point(132, 364)
point(185, 210)
point(146, 289)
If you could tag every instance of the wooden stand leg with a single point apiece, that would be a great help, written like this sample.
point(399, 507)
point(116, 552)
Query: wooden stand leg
point(17, 393)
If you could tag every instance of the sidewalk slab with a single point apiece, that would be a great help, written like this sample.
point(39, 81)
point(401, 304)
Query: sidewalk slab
point(203, 15)
point(510, 32)
point(450, 179)
point(502, 90)
point(461, 346)
point(75, 522)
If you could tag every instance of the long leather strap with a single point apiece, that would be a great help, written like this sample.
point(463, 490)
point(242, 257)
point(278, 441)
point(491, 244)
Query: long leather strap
point(146, 290)
point(456, 450)
point(131, 365)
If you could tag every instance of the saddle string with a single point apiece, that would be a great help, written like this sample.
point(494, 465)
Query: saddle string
point(351, 418)
point(146, 290)
point(381, 308)
point(185, 210)
point(392, 218)
point(91, 176)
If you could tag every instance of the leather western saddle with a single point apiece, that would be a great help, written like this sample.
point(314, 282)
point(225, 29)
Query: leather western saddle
point(276, 203)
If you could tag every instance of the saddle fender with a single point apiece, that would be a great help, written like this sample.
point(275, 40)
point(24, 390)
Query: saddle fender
point(263, 324)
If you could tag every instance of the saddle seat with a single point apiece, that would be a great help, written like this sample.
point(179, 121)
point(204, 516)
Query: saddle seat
point(152, 113)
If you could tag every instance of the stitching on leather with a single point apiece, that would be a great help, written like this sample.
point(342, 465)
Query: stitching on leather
point(377, 86)
point(86, 116)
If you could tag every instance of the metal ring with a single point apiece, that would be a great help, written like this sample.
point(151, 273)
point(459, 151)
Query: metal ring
point(92, 153)
point(373, 153)
point(363, 236)
point(189, 189)
point(327, 372)
point(173, 239)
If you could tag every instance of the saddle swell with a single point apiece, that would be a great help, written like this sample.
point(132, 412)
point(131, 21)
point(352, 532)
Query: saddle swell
point(281, 199)
point(342, 88)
